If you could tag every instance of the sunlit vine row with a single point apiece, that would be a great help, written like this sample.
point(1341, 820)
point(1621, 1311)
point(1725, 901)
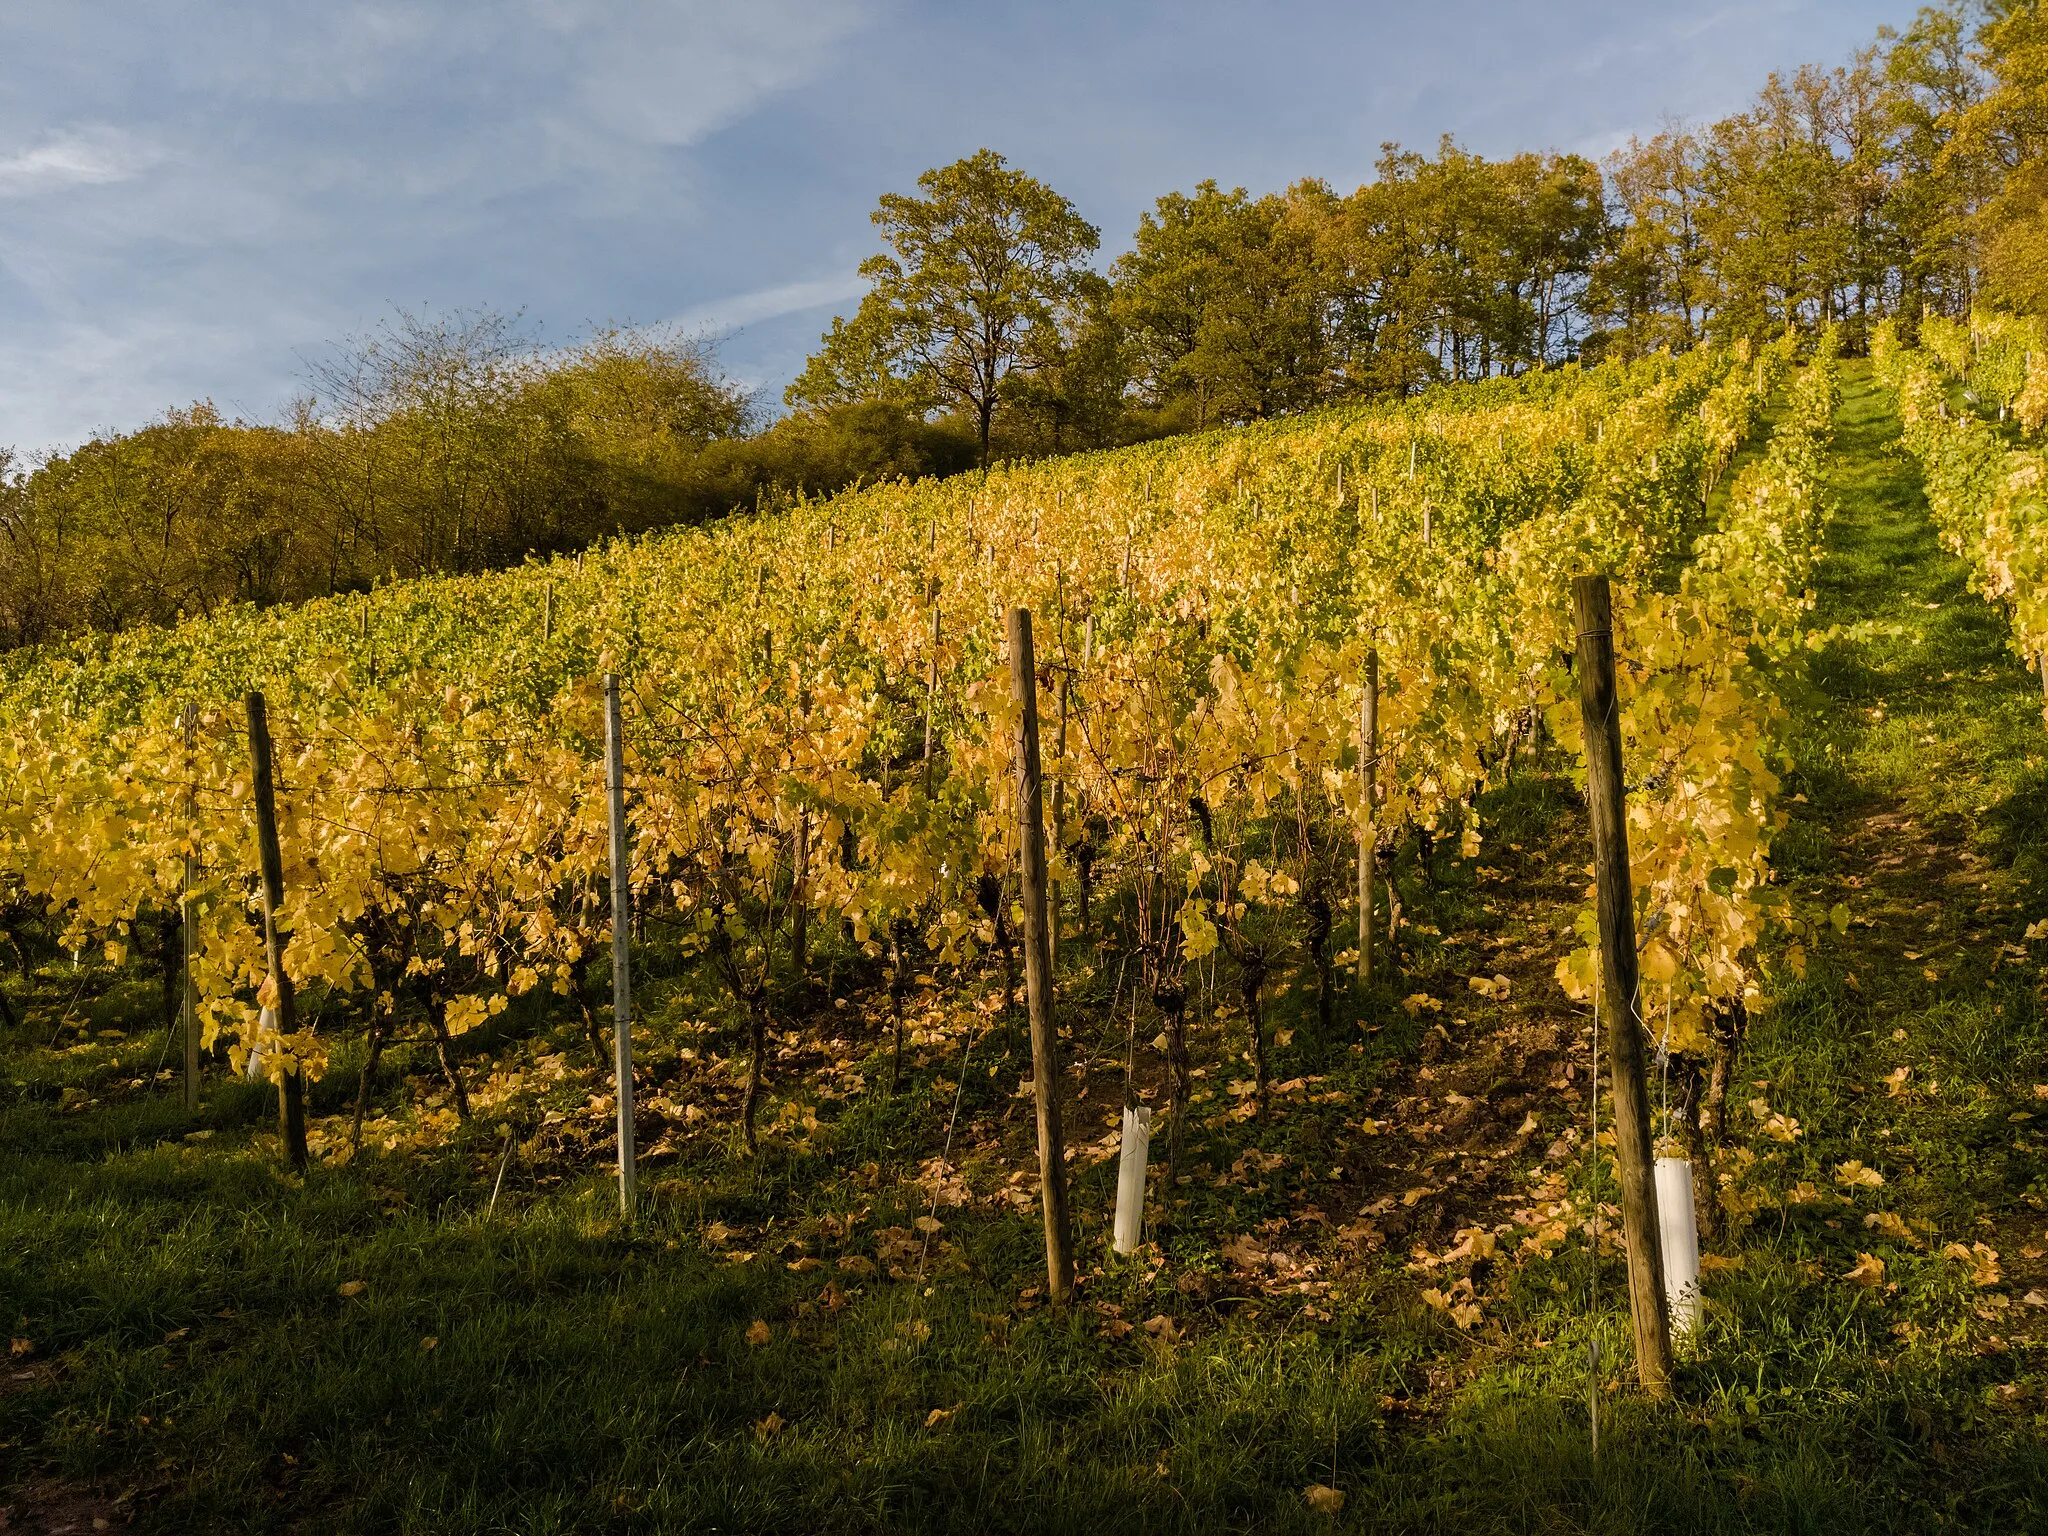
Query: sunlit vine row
point(819, 716)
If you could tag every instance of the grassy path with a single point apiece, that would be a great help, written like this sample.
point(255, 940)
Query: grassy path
point(209, 1345)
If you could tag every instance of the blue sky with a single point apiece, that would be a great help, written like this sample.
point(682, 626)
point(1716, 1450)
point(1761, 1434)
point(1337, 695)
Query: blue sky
point(197, 196)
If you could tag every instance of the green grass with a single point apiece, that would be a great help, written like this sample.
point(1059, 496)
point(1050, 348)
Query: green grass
point(195, 1365)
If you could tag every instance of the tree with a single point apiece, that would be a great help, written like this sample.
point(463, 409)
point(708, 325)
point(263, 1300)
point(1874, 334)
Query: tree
point(978, 274)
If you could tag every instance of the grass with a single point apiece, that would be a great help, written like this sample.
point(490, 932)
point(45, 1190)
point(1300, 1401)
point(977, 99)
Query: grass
point(209, 1344)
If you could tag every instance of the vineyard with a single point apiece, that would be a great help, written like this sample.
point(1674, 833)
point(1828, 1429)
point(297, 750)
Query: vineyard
point(1310, 742)
point(816, 737)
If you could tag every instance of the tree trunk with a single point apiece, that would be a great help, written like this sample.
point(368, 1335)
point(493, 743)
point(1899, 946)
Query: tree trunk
point(444, 1048)
point(171, 956)
point(1173, 1002)
point(757, 1062)
point(1084, 866)
point(1318, 908)
point(1251, 978)
point(579, 987)
point(1005, 941)
point(291, 1099)
point(1730, 1024)
point(898, 984)
point(367, 1080)
point(1706, 1194)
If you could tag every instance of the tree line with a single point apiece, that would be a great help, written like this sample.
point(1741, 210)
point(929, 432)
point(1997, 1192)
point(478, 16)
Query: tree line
point(1911, 180)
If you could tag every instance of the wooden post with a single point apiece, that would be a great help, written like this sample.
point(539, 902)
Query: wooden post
point(547, 613)
point(1045, 1045)
point(931, 689)
point(291, 1087)
point(622, 928)
point(188, 1000)
point(1059, 817)
point(800, 908)
point(1606, 796)
point(1369, 806)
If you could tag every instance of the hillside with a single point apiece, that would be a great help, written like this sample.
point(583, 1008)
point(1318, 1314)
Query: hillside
point(1375, 1282)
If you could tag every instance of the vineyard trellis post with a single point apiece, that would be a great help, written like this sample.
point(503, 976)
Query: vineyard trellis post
point(1369, 806)
point(1045, 1043)
point(291, 1083)
point(622, 931)
point(188, 949)
point(1606, 795)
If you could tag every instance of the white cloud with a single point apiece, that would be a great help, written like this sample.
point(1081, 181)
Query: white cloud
point(729, 314)
point(85, 157)
point(679, 72)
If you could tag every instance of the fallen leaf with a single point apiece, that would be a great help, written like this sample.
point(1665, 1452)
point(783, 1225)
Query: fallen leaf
point(1888, 1224)
point(1416, 1002)
point(1243, 1252)
point(353, 1287)
point(1868, 1271)
point(1982, 1259)
point(429, 1344)
point(1856, 1175)
point(855, 1264)
point(1324, 1500)
point(19, 1347)
point(803, 1265)
point(774, 1424)
point(758, 1334)
point(1163, 1329)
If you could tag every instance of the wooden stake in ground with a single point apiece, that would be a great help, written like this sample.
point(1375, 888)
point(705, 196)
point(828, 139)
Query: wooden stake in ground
point(1045, 1040)
point(291, 1086)
point(1606, 797)
point(931, 688)
point(622, 929)
point(188, 997)
point(1369, 807)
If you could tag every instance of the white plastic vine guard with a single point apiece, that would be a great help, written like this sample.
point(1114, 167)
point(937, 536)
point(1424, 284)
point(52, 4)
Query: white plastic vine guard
point(266, 1029)
point(1678, 1230)
point(1130, 1179)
